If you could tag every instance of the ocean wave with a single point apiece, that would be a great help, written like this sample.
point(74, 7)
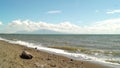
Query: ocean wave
point(113, 61)
point(87, 51)
point(60, 51)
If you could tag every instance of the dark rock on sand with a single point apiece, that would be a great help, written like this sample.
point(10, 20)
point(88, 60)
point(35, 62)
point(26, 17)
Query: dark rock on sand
point(26, 55)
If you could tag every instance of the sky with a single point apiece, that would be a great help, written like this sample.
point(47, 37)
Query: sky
point(65, 16)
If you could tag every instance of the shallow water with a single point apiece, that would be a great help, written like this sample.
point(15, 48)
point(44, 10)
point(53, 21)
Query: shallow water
point(101, 47)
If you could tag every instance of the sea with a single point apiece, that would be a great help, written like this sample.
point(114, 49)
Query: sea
point(101, 48)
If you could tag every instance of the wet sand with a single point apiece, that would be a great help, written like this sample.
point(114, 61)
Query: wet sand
point(10, 58)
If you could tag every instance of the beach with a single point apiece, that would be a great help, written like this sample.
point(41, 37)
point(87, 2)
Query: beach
point(10, 58)
point(59, 34)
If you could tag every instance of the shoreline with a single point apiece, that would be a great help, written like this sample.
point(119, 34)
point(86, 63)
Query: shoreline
point(10, 58)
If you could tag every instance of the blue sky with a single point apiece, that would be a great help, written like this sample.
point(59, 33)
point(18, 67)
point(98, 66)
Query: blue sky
point(82, 13)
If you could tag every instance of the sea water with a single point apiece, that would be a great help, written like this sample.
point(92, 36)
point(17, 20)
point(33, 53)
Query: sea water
point(102, 48)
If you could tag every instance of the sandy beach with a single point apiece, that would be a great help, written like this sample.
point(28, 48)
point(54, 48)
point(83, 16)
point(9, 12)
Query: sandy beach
point(10, 58)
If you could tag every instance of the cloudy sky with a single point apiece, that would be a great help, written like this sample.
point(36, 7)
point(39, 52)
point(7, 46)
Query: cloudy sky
point(65, 16)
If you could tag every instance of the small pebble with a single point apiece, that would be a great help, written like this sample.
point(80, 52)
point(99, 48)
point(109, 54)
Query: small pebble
point(36, 48)
point(52, 65)
point(48, 59)
point(71, 59)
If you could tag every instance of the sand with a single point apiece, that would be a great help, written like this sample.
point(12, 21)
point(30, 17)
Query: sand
point(10, 58)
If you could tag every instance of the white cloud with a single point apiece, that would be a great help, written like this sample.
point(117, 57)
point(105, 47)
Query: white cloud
point(54, 12)
point(27, 25)
point(0, 23)
point(113, 11)
point(110, 26)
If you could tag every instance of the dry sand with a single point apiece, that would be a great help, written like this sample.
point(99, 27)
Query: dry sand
point(10, 58)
